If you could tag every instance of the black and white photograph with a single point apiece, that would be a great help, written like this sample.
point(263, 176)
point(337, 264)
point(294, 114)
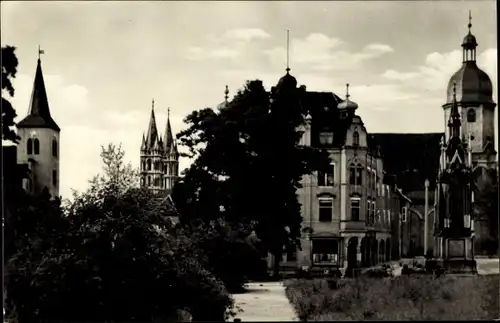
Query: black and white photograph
point(242, 161)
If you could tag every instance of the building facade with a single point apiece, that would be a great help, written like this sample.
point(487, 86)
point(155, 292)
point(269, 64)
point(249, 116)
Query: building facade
point(159, 158)
point(351, 213)
point(40, 141)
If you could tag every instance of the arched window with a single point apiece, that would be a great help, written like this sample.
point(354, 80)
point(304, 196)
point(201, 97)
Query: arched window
point(149, 179)
point(157, 165)
point(54, 177)
point(359, 175)
point(355, 139)
point(356, 174)
point(471, 115)
point(149, 165)
point(54, 148)
point(36, 146)
point(29, 146)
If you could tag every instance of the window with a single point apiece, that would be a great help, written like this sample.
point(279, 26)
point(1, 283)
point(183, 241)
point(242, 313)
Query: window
point(29, 146)
point(355, 139)
point(157, 165)
point(142, 181)
point(327, 179)
point(326, 138)
point(373, 212)
point(471, 115)
point(149, 164)
point(368, 212)
point(54, 148)
point(325, 251)
point(404, 214)
point(355, 206)
point(355, 174)
point(149, 180)
point(325, 210)
point(54, 177)
point(36, 146)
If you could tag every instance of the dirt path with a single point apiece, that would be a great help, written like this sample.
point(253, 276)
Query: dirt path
point(264, 302)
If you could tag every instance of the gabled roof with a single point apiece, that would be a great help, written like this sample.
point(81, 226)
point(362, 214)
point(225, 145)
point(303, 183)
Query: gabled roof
point(39, 112)
point(411, 157)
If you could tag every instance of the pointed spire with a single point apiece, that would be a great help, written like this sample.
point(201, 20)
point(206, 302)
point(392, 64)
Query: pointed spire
point(287, 50)
point(470, 21)
point(454, 122)
point(39, 111)
point(143, 143)
point(152, 134)
point(168, 137)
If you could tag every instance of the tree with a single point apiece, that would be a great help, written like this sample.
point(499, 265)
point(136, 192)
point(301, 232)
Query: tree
point(9, 70)
point(249, 164)
point(117, 256)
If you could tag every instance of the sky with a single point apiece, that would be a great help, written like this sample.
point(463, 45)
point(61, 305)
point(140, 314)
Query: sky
point(105, 61)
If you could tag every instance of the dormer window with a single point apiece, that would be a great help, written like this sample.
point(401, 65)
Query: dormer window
point(326, 138)
point(471, 115)
point(355, 139)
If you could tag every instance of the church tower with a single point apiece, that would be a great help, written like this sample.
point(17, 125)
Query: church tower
point(475, 105)
point(39, 143)
point(159, 158)
point(474, 95)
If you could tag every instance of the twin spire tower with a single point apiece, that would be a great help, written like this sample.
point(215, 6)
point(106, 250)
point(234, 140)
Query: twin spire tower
point(159, 157)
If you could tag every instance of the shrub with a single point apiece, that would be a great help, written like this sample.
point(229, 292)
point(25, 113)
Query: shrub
point(397, 298)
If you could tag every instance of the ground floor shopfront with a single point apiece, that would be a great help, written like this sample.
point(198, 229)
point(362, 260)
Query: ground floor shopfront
point(349, 250)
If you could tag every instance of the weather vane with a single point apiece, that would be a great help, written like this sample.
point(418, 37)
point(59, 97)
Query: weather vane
point(40, 52)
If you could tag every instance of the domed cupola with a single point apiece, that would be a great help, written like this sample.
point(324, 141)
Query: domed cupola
point(224, 104)
point(472, 84)
point(347, 106)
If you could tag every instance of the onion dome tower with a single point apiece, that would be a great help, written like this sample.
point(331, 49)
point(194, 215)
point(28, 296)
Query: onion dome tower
point(474, 97)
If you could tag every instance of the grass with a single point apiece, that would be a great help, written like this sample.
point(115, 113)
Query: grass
point(397, 298)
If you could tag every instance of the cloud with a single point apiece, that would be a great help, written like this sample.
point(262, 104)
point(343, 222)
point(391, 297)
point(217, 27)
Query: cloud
point(438, 68)
point(323, 53)
point(199, 53)
point(229, 45)
point(246, 34)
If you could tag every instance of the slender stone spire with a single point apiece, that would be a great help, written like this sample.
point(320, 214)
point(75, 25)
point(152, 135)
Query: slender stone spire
point(39, 111)
point(454, 122)
point(169, 138)
point(152, 134)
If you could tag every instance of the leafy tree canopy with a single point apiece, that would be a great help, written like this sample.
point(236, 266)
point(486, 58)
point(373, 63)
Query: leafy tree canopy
point(113, 255)
point(9, 70)
point(249, 163)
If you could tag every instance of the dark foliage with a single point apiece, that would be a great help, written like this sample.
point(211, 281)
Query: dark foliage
point(113, 254)
point(9, 70)
point(249, 164)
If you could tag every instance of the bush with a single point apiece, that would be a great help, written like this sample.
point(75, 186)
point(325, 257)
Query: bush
point(397, 298)
point(119, 258)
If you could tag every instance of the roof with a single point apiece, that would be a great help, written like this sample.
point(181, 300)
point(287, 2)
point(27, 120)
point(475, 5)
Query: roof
point(412, 158)
point(323, 108)
point(473, 85)
point(39, 112)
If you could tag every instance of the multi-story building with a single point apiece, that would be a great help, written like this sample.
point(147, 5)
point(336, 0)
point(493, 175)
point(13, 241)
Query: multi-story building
point(349, 219)
point(159, 164)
